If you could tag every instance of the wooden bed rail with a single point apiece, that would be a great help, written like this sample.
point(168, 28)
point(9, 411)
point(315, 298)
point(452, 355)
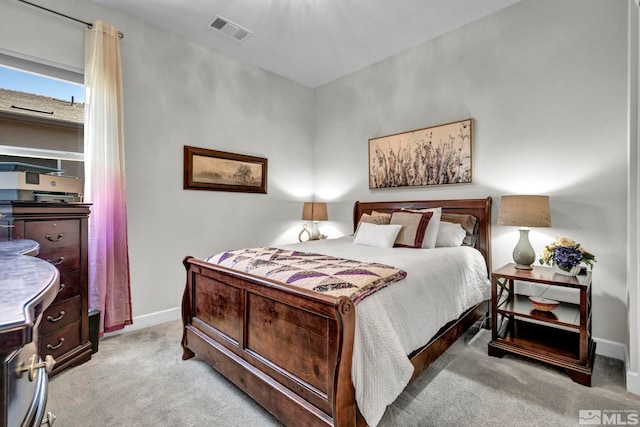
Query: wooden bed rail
point(288, 348)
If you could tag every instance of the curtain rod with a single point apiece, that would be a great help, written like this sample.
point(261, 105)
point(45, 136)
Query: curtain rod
point(88, 24)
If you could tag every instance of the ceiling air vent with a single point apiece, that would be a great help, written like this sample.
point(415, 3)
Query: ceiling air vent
point(229, 28)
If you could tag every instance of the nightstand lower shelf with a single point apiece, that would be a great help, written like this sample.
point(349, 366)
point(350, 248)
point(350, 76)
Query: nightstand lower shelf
point(546, 344)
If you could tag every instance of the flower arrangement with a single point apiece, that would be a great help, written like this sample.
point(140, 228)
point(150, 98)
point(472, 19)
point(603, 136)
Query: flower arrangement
point(566, 254)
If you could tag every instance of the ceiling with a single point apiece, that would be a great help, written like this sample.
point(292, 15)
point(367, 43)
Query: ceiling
point(312, 42)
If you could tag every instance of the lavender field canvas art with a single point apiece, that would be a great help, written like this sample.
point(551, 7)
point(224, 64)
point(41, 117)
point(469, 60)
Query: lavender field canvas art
point(435, 155)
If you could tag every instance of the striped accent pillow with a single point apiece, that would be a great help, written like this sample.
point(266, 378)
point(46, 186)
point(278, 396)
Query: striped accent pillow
point(414, 226)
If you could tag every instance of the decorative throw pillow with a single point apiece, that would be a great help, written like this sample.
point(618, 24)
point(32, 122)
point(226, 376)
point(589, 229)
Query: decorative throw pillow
point(382, 236)
point(382, 214)
point(379, 220)
point(431, 235)
point(468, 222)
point(450, 235)
point(375, 219)
point(414, 226)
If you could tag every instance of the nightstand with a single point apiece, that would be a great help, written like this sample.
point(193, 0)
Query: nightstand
point(561, 337)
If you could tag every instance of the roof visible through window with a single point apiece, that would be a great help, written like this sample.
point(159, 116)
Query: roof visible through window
point(24, 81)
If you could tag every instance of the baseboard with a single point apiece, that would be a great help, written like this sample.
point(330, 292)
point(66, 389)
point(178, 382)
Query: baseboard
point(611, 349)
point(619, 351)
point(151, 319)
point(633, 382)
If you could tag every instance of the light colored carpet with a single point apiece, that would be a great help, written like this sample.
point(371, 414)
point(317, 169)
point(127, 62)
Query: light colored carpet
point(138, 379)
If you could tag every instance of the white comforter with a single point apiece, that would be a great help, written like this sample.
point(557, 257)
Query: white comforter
point(441, 284)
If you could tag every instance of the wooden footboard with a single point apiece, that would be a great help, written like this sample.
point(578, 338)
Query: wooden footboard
point(288, 348)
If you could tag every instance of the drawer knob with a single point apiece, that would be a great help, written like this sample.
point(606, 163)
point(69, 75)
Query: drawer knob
point(54, 239)
point(58, 262)
point(33, 366)
point(55, 319)
point(57, 346)
point(62, 286)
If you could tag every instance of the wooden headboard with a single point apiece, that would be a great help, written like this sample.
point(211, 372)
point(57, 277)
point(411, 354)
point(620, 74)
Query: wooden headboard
point(480, 208)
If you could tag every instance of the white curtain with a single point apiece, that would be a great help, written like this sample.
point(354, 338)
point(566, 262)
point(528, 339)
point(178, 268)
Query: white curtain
point(109, 281)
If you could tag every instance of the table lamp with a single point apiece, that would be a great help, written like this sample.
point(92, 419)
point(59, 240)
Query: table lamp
point(524, 212)
point(313, 211)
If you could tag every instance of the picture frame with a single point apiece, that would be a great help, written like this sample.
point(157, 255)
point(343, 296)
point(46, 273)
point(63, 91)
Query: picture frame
point(214, 170)
point(436, 155)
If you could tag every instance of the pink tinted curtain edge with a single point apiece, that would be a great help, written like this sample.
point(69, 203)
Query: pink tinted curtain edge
point(102, 294)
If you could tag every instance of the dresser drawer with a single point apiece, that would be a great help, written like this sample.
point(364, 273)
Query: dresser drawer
point(60, 315)
point(69, 286)
point(61, 341)
point(53, 234)
point(67, 259)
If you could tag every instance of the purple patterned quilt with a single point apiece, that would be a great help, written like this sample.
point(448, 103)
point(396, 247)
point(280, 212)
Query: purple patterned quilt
point(316, 272)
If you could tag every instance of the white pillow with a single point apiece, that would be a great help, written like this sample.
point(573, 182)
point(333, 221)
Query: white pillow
point(431, 235)
point(450, 235)
point(382, 236)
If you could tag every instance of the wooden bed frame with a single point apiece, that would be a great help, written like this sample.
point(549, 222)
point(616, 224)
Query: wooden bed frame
point(290, 349)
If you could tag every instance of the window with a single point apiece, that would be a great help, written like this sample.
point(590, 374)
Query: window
point(41, 116)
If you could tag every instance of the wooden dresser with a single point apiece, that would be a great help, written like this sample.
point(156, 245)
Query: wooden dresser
point(61, 231)
point(27, 286)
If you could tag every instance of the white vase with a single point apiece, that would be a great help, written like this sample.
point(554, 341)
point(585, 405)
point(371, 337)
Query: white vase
point(572, 272)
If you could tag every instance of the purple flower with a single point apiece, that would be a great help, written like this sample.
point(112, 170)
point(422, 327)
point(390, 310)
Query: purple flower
point(567, 257)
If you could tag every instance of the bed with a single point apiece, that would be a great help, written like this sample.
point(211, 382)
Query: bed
point(292, 349)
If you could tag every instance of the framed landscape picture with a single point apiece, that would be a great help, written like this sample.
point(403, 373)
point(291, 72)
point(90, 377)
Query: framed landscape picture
point(436, 155)
point(213, 170)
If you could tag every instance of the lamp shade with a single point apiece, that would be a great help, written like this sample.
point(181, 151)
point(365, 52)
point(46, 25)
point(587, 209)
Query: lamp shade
point(314, 211)
point(525, 211)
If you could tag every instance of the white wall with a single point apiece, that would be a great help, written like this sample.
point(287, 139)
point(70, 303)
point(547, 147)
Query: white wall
point(546, 84)
point(178, 93)
point(184, 94)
